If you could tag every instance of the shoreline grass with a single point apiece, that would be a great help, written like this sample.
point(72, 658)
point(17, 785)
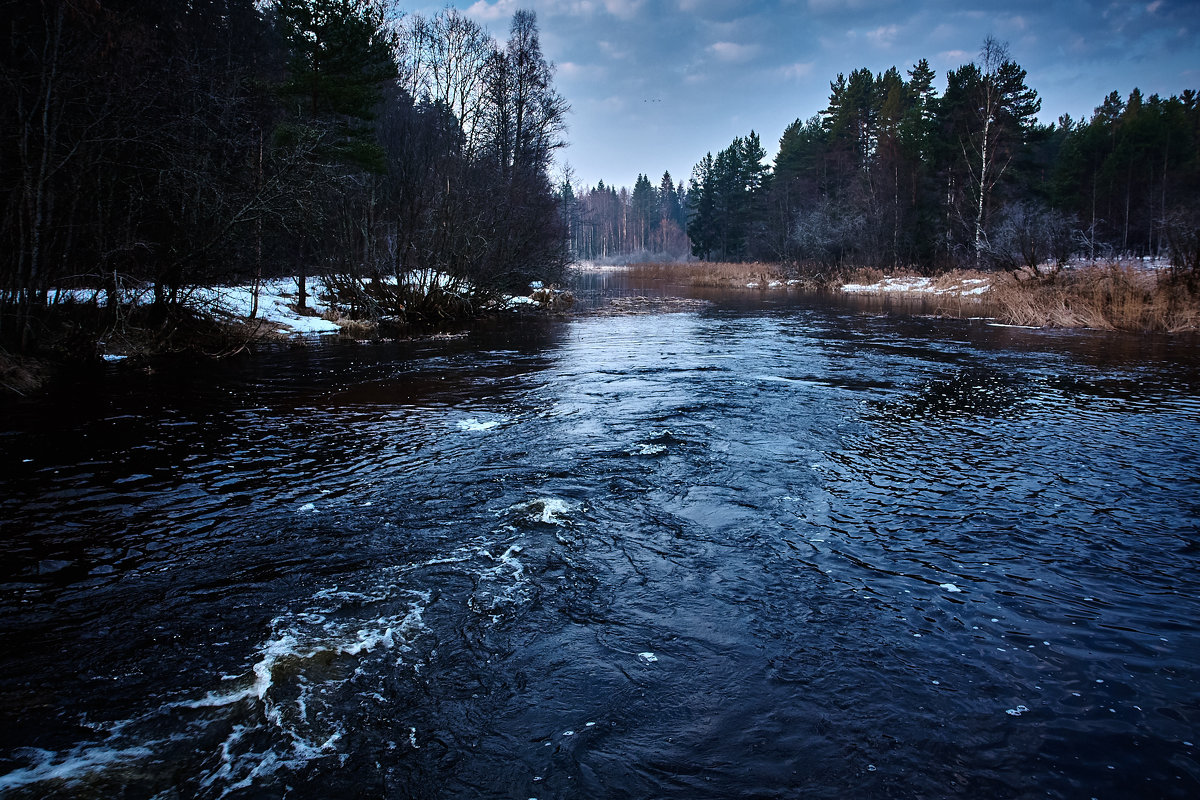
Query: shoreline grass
point(723, 275)
point(1117, 296)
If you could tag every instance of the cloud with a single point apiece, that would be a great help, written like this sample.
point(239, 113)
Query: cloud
point(581, 8)
point(798, 71)
point(713, 8)
point(825, 6)
point(491, 12)
point(733, 52)
point(612, 51)
point(943, 31)
point(623, 9)
point(613, 104)
point(573, 71)
point(884, 35)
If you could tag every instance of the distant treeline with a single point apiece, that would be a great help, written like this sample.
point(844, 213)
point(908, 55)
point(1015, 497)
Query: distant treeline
point(606, 223)
point(183, 143)
point(892, 174)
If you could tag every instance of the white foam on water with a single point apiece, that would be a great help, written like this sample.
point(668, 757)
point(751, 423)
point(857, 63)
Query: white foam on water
point(1016, 712)
point(545, 509)
point(646, 449)
point(71, 768)
point(287, 707)
point(289, 686)
point(949, 587)
point(476, 425)
point(306, 508)
point(502, 585)
point(647, 657)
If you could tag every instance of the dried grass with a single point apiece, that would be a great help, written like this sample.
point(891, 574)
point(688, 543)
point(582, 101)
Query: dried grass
point(864, 276)
point(350, 326)
point(21, 376)
point(1110, 297)
point(711, 274)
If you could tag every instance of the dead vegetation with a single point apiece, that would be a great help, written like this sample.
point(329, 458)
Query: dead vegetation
point(1116, 296)
point(1112, 296)
point(21, 376)
point(713, 274)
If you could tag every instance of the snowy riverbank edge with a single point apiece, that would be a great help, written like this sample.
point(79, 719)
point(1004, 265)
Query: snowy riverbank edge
point(276, 311)
point(959, 287)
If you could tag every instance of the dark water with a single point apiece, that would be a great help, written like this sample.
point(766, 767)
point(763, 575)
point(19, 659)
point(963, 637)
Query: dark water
point(769, 549)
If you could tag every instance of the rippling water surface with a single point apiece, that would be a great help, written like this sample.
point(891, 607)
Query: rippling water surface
point(760, 550)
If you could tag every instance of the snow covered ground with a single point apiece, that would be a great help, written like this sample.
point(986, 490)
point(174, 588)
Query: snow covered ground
point(276, 305)
point(974, 287)
point(276, 302)
point(967, 287)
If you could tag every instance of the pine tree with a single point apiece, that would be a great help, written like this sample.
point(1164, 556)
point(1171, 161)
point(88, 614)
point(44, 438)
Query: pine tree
point(701, 226)
point(340, 57)
point(644, 209)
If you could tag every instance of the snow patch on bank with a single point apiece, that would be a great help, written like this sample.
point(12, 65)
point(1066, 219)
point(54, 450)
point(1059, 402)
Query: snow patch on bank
point(277, 299)
point(276, 305)
point(967, 287)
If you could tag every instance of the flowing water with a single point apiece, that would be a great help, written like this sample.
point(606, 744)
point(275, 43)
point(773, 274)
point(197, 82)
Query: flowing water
point(768, 548)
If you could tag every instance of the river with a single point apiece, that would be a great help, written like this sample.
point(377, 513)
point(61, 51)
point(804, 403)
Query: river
point(772, 547)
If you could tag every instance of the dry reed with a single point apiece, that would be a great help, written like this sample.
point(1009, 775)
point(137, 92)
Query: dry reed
point(1110, 297)
point(20, 376)
point(711, 274)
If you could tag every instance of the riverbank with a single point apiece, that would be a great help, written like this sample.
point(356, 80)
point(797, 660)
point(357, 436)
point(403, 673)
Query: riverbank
point(218, 322)
point(1127, 296)
point(1117, 296)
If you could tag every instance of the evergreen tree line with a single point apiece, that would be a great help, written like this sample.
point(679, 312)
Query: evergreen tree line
point(893, 174)
point(188, 143)
point(606, 223)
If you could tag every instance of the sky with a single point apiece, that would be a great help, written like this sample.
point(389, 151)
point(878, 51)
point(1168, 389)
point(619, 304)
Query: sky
point(653, 85)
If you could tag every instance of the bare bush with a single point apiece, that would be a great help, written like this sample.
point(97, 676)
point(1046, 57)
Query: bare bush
point(1031, 236)
point(827, 232)
point(1183, 237)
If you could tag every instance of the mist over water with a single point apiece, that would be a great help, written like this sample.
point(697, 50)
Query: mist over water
point(763, 549)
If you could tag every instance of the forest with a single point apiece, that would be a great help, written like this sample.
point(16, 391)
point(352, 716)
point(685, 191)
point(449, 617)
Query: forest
point(893, 174)
point(187, 143)
point(150, 149)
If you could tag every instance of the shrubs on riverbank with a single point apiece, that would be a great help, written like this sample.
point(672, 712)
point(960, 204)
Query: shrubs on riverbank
point(1126, 296)
point(78, 326)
